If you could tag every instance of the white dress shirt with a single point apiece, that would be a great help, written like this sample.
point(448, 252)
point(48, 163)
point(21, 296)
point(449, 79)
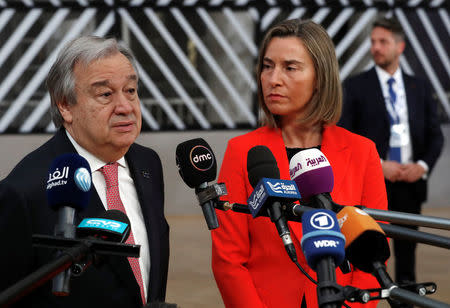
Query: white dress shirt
point(129, 197)
point(401, 110)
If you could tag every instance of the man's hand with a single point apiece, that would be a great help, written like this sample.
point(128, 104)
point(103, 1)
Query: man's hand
point(411, 172)
point(392, 170)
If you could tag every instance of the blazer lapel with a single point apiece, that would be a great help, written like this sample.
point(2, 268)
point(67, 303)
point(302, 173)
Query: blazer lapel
point(378, 97)
point(338, 153)
point(413, 108)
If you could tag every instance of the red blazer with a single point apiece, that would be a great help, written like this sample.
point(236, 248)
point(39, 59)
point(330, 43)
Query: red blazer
point(250, 264)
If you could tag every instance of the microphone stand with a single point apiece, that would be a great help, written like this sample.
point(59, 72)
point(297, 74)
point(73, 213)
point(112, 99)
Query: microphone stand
point(405, 296)
point(76, 250)
point(407, 219)
point(390, 290)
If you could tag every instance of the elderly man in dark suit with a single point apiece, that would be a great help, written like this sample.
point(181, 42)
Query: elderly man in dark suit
point(94, 102)
point(397, 111)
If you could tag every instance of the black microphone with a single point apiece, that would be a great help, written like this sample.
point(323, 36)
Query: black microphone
point(68, 190)
point(197, 166)
point(110, 225)
point(269, 194)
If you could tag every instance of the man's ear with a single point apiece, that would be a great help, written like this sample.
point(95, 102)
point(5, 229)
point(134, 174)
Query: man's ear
point(401, 47)
point(65, 110)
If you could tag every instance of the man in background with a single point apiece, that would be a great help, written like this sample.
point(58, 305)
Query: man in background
point(95, 106)
point(397, 111)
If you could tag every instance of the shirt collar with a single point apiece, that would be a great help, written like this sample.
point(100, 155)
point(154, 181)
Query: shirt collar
point(94, 162)
point(383, 76)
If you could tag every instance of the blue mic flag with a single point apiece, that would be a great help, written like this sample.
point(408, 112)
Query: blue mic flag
point(322, 237)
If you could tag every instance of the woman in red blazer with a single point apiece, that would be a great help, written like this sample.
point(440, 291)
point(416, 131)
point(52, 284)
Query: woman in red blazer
point(300, 94)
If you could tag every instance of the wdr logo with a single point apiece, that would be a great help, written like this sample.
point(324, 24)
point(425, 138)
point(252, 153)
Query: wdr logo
point(326, 243)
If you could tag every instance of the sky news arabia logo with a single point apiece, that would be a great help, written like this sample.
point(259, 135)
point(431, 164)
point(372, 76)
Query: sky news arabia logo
point(201, 158)
point(58, 178)
point(322, 221)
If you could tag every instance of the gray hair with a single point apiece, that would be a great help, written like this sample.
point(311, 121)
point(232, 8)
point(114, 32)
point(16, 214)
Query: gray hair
point(85, 49)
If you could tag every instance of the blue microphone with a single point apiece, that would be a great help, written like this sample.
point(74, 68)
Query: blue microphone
point(323, 245)
point(68, 189)
point(268, 191)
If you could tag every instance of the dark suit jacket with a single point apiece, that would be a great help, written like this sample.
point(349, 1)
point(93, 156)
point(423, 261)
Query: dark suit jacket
point(24, 211)
point(365, 113)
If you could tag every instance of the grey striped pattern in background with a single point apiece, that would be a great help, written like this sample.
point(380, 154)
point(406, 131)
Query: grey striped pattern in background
point(196, 58)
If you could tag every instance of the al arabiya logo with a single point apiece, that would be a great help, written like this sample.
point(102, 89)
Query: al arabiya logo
point(82, 179)
point(201, 158)
point(322, 221)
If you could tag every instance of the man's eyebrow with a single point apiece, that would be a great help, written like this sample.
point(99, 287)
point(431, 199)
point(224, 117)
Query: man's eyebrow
point(106, 82)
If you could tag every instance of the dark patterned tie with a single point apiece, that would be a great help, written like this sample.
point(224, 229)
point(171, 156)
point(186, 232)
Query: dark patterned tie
point(114, 202)
point(394, 152)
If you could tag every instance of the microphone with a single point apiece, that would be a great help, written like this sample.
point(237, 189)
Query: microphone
point(366, 242)
point(312, 173)
point(68, 190)
point(111, 226)
point(269, 192)
point(197, 166)
point(324, 248)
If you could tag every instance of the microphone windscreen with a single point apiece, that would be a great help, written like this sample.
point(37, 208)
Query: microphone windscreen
point(196, 162)
point(69, 182)
point(312, 173)
point(261, 164)
point(366, 242)
point(110, 225)
point(322, 237)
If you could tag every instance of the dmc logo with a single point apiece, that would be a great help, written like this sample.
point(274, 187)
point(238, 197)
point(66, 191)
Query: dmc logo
point(82, 179)
point(315, 161)
point(326, 243)
point(201, 158)
point(322, 221)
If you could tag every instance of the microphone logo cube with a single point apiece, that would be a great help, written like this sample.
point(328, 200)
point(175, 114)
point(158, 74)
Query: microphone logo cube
point(271, 188)
point(322, 237)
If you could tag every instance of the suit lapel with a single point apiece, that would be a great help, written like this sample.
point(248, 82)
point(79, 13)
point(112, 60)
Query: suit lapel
point(378, 97)
point(412, 106)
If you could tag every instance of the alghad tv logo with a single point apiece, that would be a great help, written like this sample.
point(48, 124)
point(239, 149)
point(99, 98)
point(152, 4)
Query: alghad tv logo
point(82, 179)
point(201, 158)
